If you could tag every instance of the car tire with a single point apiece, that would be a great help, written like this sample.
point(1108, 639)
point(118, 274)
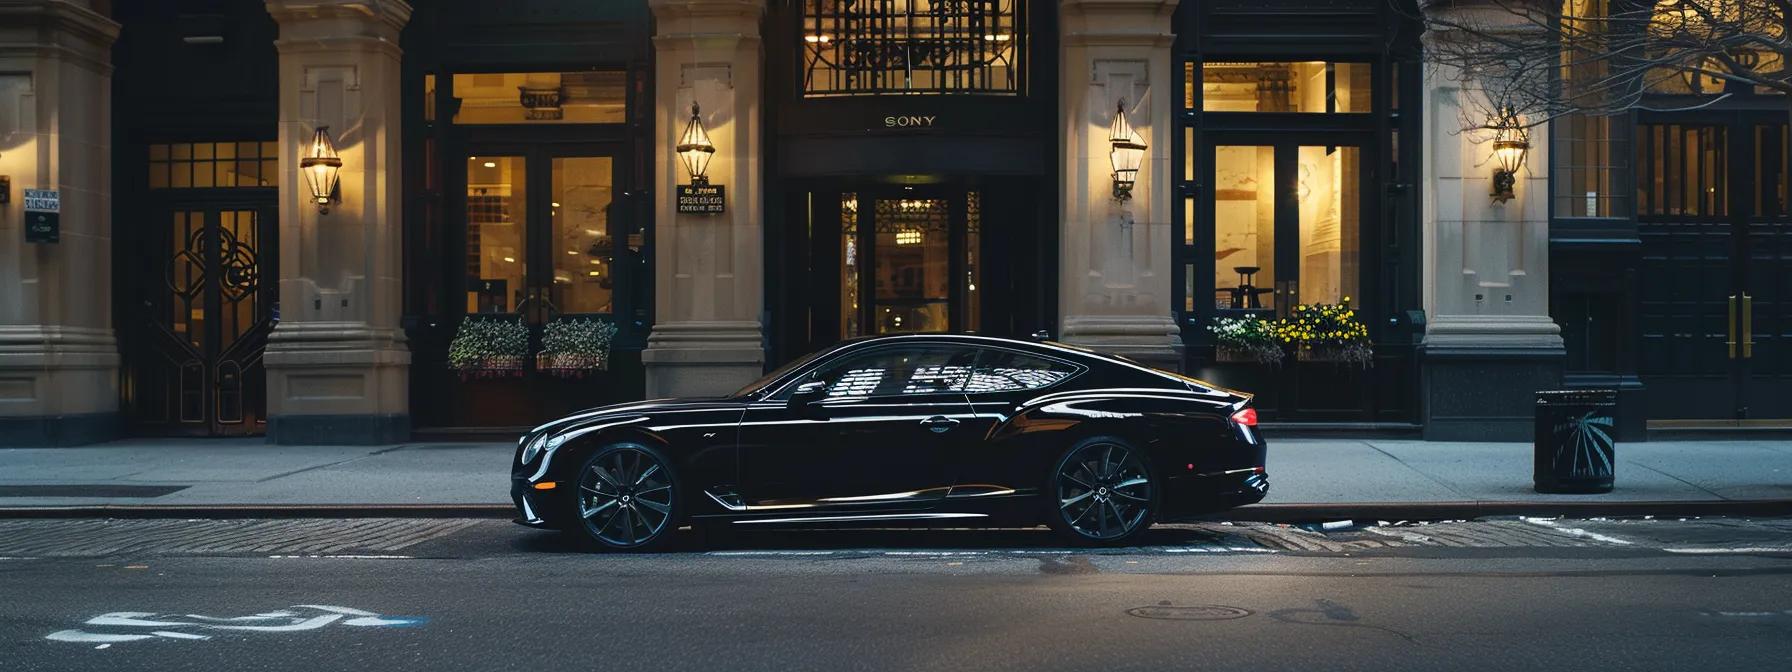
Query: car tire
point(625, 498)
point(1101, 491)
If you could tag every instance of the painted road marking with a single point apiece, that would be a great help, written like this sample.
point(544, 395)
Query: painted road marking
point(178, 627)
point(1575, 531)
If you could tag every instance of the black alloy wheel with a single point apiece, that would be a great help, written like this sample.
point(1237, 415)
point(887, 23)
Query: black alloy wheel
point(1101, 492)
point(627, 498)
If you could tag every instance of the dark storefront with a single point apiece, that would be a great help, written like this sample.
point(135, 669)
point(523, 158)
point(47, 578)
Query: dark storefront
point(920, 200)
point(1679, 297)
point(194, 191)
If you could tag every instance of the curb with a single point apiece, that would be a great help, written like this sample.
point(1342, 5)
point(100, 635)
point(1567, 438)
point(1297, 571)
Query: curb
point(263, 511)
point(1431, 511)
point(1259, 513)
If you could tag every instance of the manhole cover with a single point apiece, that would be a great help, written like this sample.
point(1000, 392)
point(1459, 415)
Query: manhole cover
point(1205, 612)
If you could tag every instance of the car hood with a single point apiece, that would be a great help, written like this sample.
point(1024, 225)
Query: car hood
point(630, 410)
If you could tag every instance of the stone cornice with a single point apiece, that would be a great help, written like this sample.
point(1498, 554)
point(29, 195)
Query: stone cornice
point(324, 24)
point(686, 19)
point(24, 23)
point(1117, 22)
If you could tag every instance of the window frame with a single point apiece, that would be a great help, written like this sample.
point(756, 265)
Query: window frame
point(784, 391)
point(985, 351)
point(803, 65)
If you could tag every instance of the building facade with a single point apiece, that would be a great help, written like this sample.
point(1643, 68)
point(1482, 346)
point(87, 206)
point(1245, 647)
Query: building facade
point(515, 231)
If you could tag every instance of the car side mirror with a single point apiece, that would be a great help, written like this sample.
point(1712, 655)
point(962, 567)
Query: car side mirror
point(808, 393)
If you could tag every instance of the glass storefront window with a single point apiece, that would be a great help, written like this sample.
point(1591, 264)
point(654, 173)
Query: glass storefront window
point(584, 252)
point(497, 212)
point(211, 165)
point(1329, 188)
point(912, 255)
point(849, 266)
point(973, 275)
point(1772, 149)
point(1244, 217)
point(594, 97)
point(1281, 86)
point(868, 47)
point(1681, 170)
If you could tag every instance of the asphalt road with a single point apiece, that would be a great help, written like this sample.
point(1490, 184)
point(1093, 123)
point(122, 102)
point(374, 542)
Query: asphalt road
point(488, 597)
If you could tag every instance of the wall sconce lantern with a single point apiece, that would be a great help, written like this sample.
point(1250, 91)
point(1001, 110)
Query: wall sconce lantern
point(320, 165)
point(695, 149)
point(1126, 153)
point(1510, 145)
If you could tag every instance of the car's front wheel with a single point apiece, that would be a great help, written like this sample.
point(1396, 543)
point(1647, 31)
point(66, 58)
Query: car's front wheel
point(627, 499)
point(1101, 492)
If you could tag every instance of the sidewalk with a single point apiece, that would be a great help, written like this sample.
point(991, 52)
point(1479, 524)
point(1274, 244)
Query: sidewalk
point(1310, 478)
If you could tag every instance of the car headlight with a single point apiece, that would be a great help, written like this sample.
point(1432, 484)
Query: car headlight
point(547, 442)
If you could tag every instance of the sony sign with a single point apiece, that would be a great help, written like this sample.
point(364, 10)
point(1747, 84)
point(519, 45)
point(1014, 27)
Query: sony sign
point(909, 121)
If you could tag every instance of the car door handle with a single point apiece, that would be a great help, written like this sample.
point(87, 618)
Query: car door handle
point(939, 423)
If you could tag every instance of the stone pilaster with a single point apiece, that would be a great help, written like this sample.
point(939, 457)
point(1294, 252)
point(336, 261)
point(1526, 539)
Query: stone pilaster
point(337, 362)
point(1115, 255)
point(58, 355)
point(709, 270)
point(1489, 341)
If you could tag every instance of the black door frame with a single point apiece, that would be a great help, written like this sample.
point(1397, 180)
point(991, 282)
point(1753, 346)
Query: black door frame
point(1297, 391)
point(1005, 270)
point(956, 228)
point(1737, 323)
point(142, 329)
point(538, 274)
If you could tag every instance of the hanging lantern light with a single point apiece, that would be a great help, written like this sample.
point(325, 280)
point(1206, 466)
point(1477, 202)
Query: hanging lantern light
point(1510, 145)
point(319, 166)
point(1126, 153)
point(695, 149)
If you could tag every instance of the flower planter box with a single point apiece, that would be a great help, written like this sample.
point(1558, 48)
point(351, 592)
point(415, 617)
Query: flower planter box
point(1337, 354)
point(1238, 355)
point(565, 365)
point(493, 367)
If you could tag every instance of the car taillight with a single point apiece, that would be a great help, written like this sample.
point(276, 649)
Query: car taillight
point(1246, 417)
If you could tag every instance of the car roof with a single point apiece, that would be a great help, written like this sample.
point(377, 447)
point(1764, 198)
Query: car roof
point(1082, 354)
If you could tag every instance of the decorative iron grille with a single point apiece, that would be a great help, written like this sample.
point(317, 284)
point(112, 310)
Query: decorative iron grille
point(868, 47)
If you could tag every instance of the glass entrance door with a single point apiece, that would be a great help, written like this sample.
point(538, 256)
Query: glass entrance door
point(909, 261)
point(534, 260)
point(1283, 227)
point(542, 226)
point(1287, 227)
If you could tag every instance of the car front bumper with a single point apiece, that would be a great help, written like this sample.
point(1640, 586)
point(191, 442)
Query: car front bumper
point(534, 508)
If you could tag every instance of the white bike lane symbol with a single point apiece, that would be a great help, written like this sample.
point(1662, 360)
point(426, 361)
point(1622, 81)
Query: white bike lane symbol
point(135, 626)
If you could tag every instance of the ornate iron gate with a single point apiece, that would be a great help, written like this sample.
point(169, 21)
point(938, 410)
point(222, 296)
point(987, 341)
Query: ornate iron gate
point(207, 293)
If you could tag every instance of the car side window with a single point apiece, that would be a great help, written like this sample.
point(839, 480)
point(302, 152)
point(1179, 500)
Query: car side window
point(1009, 371)
point(898, 371)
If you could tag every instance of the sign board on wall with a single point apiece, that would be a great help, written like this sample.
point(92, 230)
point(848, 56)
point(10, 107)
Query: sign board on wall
point(43, 216)
point(702, 199)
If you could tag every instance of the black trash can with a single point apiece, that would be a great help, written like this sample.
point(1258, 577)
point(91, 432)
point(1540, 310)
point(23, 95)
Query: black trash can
point(1574, 442)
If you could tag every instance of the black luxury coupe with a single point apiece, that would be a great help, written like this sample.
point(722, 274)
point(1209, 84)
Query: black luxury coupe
point(900, 429)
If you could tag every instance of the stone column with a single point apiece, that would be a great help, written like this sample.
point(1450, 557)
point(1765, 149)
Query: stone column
point(1114, 292)
point(1489, 341)
point(337, 362)
point(709, 270)
point(58, 355)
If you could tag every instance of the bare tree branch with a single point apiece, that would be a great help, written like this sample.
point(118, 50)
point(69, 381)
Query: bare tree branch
point(1538, 60)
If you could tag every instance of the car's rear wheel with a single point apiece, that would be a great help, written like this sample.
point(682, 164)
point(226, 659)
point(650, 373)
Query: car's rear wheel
point(626, 499)
point(1101, 492)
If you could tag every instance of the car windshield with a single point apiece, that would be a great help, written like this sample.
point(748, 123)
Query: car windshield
point(757, 386)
